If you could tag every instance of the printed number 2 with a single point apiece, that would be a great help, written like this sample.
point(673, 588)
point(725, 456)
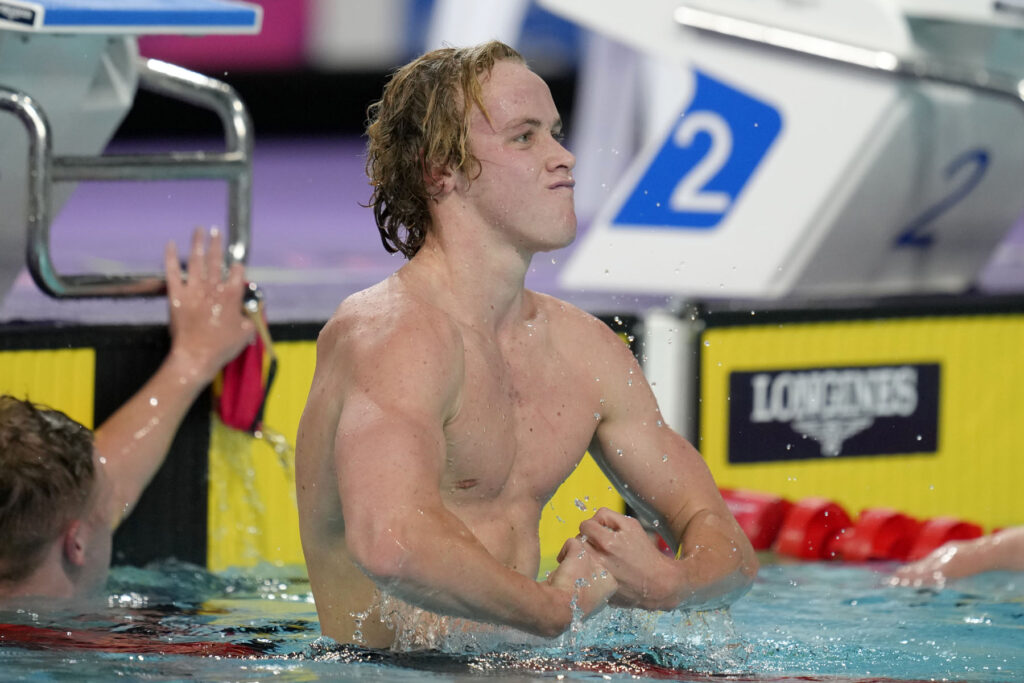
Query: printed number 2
point(689, 194)
point(914, 234)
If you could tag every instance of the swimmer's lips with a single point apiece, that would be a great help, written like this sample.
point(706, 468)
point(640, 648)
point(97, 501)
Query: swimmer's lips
point(570, 183)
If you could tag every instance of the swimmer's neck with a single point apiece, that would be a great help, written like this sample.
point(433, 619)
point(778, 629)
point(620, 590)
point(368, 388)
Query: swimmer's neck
point(481, 287)
point(48, 580)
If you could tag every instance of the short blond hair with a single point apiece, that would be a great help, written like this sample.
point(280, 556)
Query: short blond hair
point(46, 478)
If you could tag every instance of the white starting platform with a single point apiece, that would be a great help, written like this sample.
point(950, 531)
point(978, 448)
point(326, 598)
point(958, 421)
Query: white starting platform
point(69, 71)
point(821, 149)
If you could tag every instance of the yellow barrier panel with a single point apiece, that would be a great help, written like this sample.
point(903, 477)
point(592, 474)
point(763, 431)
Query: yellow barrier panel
point(252, 512)
point(975, 473)
point(62, 379)
point(579, 496)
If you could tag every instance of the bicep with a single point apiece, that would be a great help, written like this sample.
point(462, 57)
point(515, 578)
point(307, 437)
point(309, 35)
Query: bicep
point(656, 466)
point(387, 455)
point(388, 444)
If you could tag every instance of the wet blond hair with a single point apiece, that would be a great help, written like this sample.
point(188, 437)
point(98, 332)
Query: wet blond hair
point(422, 122)
point(46, 477)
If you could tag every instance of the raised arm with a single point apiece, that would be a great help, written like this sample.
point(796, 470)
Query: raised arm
point(665, 479)
point(208, 329)
point(402, 387)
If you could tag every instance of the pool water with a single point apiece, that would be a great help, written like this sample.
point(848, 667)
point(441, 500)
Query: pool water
point(800, 621)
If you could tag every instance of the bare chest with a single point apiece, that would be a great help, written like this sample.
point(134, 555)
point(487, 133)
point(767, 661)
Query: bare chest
point(525, 420)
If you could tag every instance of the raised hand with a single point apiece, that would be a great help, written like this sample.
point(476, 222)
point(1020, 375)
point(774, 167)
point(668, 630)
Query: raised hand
point(208, 326)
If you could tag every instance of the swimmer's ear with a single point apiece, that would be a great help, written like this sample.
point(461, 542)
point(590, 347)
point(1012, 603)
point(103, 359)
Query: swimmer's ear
point(74, 544)
point(440, 180)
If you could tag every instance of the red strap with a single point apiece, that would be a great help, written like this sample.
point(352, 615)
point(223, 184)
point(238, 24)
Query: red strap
point(242, 393)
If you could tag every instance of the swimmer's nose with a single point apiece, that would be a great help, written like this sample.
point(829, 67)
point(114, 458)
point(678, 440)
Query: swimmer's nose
point(561, 157)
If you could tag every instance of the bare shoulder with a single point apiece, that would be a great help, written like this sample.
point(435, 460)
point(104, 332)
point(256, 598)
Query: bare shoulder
point(387, 317)
point(387, 339)
point(582, 331)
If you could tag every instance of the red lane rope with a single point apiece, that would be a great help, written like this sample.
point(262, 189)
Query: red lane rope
point(41, 638)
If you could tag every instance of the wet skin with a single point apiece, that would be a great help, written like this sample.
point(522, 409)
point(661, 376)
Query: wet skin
point(449, 403)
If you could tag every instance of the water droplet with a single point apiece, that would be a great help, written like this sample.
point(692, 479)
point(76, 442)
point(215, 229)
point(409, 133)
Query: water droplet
point(153, 401)
point(664, 457)
point(597, 416)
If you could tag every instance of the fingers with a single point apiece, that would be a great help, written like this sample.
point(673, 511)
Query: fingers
point(598, 535)
point(602, 528)
point(196, 264)
point(236, 275)
point(215, 256)
point(572, 544)
point(206, 260)
point(172, 271)
point(610, 518)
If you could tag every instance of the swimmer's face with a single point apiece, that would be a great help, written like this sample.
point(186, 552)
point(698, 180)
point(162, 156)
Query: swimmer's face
point(525, 186)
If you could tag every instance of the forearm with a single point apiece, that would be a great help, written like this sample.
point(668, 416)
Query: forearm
point(716, 565)
point(1000, 551)
point(134, 441)
point(436, 563)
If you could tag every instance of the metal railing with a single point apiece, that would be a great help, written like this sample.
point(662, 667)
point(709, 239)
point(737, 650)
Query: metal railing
point(44, 169)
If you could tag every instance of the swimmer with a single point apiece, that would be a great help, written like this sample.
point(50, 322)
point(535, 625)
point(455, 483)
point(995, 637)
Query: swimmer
point(63, 489)
point(449, 402)
point(999, 551)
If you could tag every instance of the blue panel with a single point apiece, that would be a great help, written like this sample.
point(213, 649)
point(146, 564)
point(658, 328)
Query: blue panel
point(126, 13)
point(705, 162)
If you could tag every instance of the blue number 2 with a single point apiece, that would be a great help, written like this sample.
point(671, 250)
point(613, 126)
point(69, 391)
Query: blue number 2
point(914, 235)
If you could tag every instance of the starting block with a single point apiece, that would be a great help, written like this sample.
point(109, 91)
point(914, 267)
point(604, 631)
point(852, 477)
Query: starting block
point(820, 149)
point(69, 71)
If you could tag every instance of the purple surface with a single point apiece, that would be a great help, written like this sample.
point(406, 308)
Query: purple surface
point(312, 242)
point(312, 245)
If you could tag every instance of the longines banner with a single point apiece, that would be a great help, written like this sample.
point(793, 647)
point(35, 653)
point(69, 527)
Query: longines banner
point(833, 412)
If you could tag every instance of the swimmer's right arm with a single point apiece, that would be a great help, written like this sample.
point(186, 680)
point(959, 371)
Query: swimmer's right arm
point(208, 329)
point(402, 383)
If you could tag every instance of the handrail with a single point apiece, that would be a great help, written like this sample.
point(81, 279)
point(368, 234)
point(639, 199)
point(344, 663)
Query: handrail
point(992, 82)
point(234, 165)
